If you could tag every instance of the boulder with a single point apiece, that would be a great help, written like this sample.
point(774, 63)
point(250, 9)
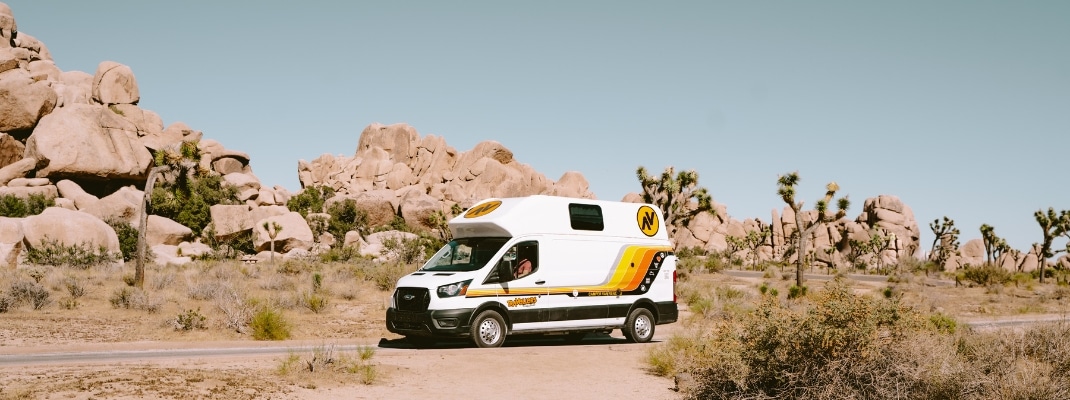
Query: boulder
point(11, 150)
point(166, 254)
point(74, 87)
point(87, 141)
point(247, 185)
point(230, 220)
point(375, 244)
point(114, 83)
point(69, 228)
point(193, 249)
point(162, 230)
point(417, 209)
point(23, 102)
point(123, 205)
point(70, 190)
point(11, 237)
point(24, 192)
point(294, 233)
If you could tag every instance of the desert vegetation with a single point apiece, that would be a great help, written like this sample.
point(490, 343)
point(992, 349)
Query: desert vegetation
point(904, 338)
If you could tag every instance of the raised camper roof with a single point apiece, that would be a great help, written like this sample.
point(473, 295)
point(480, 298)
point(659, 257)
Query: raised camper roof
point(540, 214)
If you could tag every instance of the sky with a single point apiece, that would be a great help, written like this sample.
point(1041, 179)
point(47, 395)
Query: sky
point(961, 108)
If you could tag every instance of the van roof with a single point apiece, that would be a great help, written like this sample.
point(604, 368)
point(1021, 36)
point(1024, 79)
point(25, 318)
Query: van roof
point(541, 214)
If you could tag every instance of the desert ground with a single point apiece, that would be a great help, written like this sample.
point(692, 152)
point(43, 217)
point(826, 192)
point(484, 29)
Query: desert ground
point(96, 350)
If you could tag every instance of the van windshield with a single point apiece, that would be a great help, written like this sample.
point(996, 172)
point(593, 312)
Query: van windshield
point(465, 254)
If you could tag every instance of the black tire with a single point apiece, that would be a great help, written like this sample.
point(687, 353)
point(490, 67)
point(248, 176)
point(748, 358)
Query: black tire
point(488, 329)
point(639, 327)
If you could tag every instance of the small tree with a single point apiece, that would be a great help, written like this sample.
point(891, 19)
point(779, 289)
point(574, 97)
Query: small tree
point(946, 242)
point(786, 189)
point(1053, 225)
point(673, 192)
point(273, 228)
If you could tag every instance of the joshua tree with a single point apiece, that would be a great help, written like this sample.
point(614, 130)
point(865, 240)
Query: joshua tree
point(273, 228)
point(786, 189)
point(171, 165)
point(1053, 225)
point(995, 246)
point(947, 236)
point(673, 192)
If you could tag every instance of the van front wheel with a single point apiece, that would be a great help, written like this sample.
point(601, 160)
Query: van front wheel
point(488, 329)
point(639, 327)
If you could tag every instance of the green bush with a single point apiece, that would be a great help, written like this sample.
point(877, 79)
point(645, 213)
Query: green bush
point(345, 217)
point(127, 239)
point(189, 320)
point(83, 256)
point(188, 199)
point(339, 254)
point(310, 200)
point(986, 275)
point(17, 207)
point(269, 324)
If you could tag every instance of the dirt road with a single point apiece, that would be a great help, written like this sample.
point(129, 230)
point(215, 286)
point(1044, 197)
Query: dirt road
point(537, 368)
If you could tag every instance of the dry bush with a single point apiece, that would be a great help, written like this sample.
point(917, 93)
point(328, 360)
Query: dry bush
point(835, 344)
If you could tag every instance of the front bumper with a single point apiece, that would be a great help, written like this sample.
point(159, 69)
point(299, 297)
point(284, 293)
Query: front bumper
point(448, 323)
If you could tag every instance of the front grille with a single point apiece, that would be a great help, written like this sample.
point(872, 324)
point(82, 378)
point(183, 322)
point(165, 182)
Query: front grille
point(412, 299)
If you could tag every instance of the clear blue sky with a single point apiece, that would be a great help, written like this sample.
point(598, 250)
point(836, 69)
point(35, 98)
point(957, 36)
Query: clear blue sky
point(960, 108)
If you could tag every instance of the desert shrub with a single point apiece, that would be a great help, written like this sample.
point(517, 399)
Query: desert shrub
point(310, 200)
point(339, 254)
point(134, 299)
point(795, 292)
point(690, 252)
point(386, 275)
point(314, 301)
point(5, 304)
point(189, 320)
point(81, 256)
point(269, 324)
point(236, 309)
point(17, 207)
point(227, 248)
point(188, 199)
point(345, 217)
point(26, 292)
point(986, 275)
point(410, 250)
point(74, 287)
point(127, 239)
point(943, 323)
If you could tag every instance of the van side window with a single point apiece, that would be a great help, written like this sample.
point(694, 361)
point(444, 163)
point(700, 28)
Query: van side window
point(520, 260)
point(585, 217)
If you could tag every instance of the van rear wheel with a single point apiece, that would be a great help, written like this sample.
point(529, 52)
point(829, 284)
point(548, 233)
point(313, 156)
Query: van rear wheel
point(639, 327)
point(488, 329)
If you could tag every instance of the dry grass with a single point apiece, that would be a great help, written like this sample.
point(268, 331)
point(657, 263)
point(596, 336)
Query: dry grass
point(320, 301)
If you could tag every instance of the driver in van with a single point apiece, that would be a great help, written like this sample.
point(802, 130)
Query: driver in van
point(523, 267)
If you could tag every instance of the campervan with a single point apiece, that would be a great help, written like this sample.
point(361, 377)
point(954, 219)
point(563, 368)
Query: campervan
point(542, 265)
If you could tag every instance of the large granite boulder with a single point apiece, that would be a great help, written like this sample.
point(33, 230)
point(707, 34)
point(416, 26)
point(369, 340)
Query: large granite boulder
point(88, 141)
point(69, 228)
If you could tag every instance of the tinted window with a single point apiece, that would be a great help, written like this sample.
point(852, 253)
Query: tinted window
point(585, 217)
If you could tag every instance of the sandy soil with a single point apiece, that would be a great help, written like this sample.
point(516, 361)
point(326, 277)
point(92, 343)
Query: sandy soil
point(598, 367)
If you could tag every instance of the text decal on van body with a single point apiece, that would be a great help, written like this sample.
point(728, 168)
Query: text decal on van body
point(522, 301)
point(482, 209)
point(648, 221)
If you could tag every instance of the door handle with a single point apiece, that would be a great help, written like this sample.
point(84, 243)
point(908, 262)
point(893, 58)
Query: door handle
point(539, 282)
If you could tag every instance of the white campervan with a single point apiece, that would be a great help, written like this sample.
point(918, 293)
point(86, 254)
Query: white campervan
point(542, 264)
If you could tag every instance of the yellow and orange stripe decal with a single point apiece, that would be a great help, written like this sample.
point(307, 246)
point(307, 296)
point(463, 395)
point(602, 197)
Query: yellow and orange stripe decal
point(628, 274)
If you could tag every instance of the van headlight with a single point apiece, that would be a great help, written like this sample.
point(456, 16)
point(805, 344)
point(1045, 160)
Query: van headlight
point(454, 289)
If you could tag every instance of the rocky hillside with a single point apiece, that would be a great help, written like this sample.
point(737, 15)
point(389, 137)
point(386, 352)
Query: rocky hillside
point(82, 140)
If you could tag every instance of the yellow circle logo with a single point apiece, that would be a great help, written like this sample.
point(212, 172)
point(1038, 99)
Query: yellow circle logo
point(482, 209)
point(648, 221)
